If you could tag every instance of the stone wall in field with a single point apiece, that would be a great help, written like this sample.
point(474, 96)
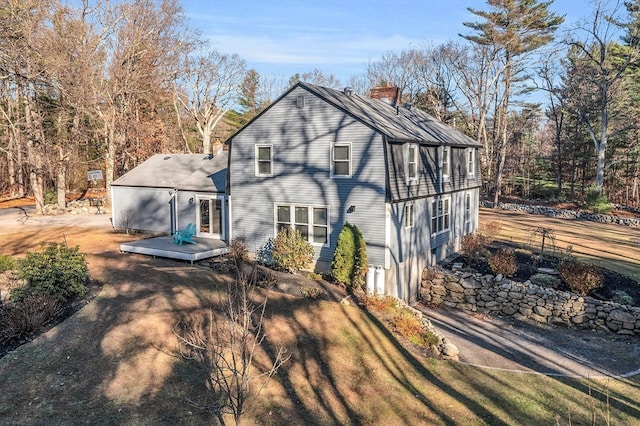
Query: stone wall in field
point(525, 301)
point(567, 214)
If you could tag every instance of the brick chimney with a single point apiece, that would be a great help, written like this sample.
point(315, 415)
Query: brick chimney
point(388, 94)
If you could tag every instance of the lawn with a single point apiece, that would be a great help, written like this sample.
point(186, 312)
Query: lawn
point(114, 362)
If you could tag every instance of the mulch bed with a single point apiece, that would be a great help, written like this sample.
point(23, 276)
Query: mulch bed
point(612, 281)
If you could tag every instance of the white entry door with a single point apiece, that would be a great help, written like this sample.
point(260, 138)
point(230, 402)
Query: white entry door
point(211, 217)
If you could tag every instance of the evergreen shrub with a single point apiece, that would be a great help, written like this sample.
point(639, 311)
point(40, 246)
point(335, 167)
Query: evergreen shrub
point(349, 265)
point(56, 270)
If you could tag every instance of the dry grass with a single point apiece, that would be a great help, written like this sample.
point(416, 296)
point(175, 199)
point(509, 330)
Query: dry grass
point(610, 246)
point(114, 361)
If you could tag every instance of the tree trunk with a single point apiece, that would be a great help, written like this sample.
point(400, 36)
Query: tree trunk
point(502, 149)
point(61, 180)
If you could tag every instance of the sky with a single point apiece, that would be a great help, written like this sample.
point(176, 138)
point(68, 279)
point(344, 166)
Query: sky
point(339, 37)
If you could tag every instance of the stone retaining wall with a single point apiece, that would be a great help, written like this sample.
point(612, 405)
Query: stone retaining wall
point(525, 301)
point(566, 214)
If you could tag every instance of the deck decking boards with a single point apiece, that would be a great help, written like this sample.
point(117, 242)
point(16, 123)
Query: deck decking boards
point(203, 248)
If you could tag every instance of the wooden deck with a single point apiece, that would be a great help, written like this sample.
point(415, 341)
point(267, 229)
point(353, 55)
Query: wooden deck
point(203, 248)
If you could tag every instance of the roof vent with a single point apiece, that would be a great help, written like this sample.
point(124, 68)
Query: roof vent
point(167, 157)
point(348, 91)
point(408, 105)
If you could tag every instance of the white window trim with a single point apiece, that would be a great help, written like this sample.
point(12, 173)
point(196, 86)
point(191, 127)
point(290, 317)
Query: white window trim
point(331, 160)
point(446, 154)
point(310, 225)
point(409, 215)
point(255, 154)
point(435, 214)
point(411, 180)
point(471, 165)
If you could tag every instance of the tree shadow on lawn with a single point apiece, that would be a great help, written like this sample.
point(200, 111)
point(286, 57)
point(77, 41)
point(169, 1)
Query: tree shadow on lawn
point(115, 361)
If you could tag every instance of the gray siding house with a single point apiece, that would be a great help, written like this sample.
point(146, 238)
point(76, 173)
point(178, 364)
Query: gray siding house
point(169, 191)
point(317, 158)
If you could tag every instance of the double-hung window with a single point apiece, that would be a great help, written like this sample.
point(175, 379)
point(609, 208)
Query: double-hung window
point(411, 164)
point(311, 221)
point(440, 215)
point(264, 160)
point(341, 160)
point(446, 163)
point(471, 162)
point(408, 215)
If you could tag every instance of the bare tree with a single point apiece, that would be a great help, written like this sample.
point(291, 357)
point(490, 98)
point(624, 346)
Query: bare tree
point(207, 89)
point(143, 39)
point(604, 63)
point(22, 67)
point(225, 346)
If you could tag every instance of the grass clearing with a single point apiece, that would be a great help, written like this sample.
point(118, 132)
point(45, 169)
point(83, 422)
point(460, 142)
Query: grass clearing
point(610, 246)
point(114, 361)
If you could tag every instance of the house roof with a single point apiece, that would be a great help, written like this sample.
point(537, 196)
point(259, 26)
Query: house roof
point(399, 123)
point(187, 172)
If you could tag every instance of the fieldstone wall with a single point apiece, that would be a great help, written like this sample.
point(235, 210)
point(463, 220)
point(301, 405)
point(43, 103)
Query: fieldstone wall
point(525, 301)
point(566, 214)
point(84, 206)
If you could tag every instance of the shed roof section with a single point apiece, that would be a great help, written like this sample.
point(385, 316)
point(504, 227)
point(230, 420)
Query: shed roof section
point(398, 123)
point(187, 172)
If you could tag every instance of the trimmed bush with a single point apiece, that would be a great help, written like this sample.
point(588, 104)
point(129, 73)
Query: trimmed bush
point(504, 262)
point(349, 265)
point(56, 269)
point(582, 278)
point(291, 252)
point(344, 257)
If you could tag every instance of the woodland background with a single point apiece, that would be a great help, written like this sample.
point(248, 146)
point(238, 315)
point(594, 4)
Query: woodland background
point(103, 85)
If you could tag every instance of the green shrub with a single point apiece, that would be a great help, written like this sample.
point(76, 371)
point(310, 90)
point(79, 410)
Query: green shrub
point(361, 261)
point(26, 316)
point(7, 263)
point(51, 197)
point(56, 269)
point(291, 252)
point(581, 278)
point(349, 265)
point(504, 262)
point(597, 201)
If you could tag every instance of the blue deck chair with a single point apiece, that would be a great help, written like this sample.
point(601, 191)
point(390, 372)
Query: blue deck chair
point(185, 235)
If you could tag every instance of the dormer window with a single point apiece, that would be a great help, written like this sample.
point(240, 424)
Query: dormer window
point(411, 164)
point(446, 163)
